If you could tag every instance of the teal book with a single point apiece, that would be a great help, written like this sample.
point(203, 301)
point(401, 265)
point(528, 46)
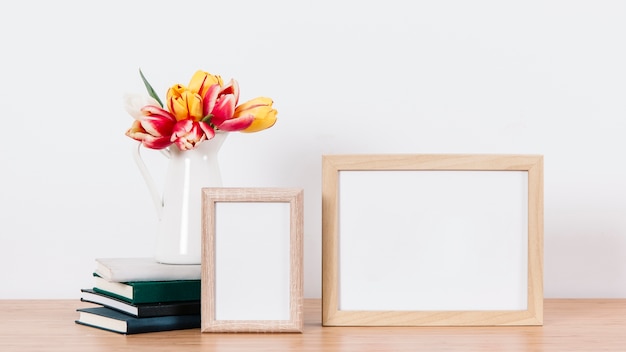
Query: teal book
point(112, 320)
point(149, 291)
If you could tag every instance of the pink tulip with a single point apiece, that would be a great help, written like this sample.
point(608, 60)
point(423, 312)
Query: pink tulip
point(220, 102)
point(188, 133)
point(153, 127)
point(156, 121)
point(138, 133)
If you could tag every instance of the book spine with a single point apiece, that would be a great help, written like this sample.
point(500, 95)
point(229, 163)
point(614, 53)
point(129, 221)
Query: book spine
point(112, 320)
point(182, 308)
point(138, 326)
point(126, 309)
point(166, 323)
point(112, 294)
point(165, 291)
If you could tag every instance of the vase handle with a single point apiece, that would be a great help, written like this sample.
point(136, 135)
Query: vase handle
point(157, 198)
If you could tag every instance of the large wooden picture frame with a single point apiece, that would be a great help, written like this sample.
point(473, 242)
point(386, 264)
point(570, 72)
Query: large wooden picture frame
point(432, 240)
point(252, 260)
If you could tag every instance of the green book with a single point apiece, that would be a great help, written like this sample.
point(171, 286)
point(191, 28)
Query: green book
point(149, 291)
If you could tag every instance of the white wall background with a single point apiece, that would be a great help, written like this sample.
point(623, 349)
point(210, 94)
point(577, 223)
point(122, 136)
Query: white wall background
point(533, 76)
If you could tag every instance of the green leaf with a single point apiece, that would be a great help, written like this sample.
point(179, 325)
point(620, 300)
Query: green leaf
point(150, 89)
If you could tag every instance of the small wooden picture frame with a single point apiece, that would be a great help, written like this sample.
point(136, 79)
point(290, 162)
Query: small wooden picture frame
point(252, 260)
point(432, 240)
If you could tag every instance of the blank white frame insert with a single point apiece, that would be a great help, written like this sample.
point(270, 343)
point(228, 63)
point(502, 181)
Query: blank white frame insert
point(446, 222)
point(432, 240)
point(251, 261)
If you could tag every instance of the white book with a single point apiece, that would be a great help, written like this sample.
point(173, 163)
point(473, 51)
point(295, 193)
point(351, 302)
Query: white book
point(144, 269)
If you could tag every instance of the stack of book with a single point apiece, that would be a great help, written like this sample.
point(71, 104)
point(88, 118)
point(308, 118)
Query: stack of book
point(138, 295)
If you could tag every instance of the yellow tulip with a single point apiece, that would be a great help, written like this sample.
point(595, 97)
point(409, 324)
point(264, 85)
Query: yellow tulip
point(184, 104)
point(201, 81)
point(262, 111)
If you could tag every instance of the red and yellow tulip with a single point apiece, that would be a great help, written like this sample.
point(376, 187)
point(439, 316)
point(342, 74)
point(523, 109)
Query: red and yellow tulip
point(187, 133)
point(153, 126)
point(262, 112)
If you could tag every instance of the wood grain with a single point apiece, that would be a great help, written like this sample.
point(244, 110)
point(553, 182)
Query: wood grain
point(332, 165)
point(295, 198)
point(569, 325)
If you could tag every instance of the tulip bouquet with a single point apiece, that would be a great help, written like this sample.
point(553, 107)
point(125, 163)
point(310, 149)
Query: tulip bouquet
point(195, 113)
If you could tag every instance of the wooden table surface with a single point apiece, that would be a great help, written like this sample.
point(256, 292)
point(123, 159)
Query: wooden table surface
point(569, 325)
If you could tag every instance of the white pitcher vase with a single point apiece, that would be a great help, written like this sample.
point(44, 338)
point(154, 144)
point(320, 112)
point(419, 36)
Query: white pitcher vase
point(179, 206)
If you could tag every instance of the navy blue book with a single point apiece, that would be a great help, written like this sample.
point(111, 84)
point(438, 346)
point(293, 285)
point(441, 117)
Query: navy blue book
point(112, 320)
